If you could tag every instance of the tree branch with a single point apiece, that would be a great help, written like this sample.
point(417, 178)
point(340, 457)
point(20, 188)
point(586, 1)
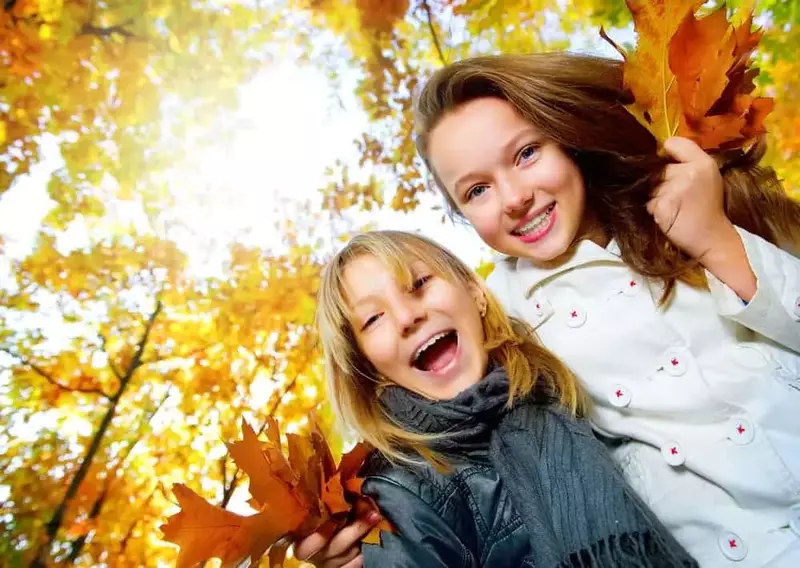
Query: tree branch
point(78, 544)
point(124, 542)
point(90, 29)
point(111, 365)
point(50, 379)
point(432, 28)
point(54, 524)
point(227, 490)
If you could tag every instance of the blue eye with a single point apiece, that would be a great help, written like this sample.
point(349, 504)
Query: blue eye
point(527, 153)
point(476, 191)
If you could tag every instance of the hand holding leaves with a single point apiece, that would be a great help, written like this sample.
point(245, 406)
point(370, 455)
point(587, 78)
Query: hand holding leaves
point(294, 497)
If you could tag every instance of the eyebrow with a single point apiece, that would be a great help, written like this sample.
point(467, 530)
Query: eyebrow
point(505, 149)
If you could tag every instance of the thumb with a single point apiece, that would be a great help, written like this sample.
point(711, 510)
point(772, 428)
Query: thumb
point(684, 150)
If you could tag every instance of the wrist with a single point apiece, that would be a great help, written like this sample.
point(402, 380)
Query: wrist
point(725, 246)
point(727, 260)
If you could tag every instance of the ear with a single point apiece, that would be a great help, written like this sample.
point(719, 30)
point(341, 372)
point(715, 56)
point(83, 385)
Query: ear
point(479, 295)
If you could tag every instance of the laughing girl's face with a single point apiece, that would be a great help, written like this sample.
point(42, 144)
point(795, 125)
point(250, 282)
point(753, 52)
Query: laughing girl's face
point(428, 339)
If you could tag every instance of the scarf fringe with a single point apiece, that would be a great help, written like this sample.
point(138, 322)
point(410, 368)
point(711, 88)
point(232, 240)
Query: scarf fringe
point(632, 550)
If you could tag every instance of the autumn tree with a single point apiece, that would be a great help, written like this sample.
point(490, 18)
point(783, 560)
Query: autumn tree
point(123, 371)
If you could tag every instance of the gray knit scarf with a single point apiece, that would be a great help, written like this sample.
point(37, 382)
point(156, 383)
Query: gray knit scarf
point(574, 502)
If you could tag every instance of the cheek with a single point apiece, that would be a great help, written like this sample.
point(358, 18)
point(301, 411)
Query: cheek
point(486, 221)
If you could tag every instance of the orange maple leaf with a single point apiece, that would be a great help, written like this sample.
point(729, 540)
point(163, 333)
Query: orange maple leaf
point(691, 77)
point(205, 531)
point(293, 497)
point(647, 72)
point(701, 70)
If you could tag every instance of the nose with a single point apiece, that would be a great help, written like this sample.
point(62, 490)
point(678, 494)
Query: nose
point(516, 196)
point(409, 314)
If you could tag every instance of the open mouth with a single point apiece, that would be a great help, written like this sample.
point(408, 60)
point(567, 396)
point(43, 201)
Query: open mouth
point(436, 353)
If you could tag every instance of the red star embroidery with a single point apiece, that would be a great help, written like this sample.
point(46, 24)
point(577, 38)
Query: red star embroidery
point(732, 543)
point(674, 362)
point(674, 451)
point(538, 307)
point(574, 314)
point(632, 283)
point(740, 429)
point(619, 393)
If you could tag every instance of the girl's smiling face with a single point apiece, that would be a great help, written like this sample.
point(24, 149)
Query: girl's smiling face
point(521, 192)
point(427, 337)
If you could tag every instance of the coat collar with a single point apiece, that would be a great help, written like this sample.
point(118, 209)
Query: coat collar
point(586, 252)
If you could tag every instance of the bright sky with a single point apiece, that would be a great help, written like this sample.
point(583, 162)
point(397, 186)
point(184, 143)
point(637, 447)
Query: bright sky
point(288, 132)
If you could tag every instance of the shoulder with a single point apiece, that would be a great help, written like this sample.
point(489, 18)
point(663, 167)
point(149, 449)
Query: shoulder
point(416, 496)
point(440, 491)
point(502, 277)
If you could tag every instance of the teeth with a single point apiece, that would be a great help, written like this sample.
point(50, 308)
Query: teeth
point(536, 222)
point(428, 343)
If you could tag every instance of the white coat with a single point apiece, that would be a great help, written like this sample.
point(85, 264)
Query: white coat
point(703, 395)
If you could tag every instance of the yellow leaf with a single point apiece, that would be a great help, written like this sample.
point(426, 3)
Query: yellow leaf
point(485, 269)
point(45, 31)
point(174, 44)
point(647, 73)
point(3, 132)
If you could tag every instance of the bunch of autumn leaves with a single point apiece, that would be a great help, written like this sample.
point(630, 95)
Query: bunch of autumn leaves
point(294, 497)
point(692, 76)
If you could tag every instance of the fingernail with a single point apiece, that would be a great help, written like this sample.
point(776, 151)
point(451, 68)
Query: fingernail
point(373, 517)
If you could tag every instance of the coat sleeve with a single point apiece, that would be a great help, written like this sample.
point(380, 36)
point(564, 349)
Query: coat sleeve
point(422, 537)
point(774, 311)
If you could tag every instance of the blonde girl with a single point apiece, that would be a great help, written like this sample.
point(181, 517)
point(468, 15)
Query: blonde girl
point(481, 459)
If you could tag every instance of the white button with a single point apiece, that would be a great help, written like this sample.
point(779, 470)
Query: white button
point(632, 287)
point(794, 519)
point(539, 307)
point(733, 547)
point(749, 356)
point(673, 453)
point(575, 316)
point(740, 431)
point(619, 396)
point(675, 363)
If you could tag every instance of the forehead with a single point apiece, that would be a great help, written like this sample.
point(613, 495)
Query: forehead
point(473, 132)
point(368, 275)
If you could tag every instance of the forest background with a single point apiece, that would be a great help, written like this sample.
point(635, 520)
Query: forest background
point(173, 176)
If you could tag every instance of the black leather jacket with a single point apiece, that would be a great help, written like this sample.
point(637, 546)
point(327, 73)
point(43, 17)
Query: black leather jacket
point(463, 518)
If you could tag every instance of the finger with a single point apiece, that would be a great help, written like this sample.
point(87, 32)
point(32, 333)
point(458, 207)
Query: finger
point(310, 546)
point(664, 211)
point(357, 562)
point(685, 150)
point(350, 535)
point(345, 560)
point(671, 172)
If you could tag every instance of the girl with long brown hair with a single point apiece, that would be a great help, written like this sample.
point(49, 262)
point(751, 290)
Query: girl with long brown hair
point(667, 283)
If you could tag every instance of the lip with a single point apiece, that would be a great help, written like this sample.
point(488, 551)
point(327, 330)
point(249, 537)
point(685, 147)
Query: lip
point(530, 216)
point(424, 341)
point(542, 232)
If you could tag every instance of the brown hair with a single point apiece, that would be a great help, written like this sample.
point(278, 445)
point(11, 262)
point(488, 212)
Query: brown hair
point(577, 101)
point(355, 384)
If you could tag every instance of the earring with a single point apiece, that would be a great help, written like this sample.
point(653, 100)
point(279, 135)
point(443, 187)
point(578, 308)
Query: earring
point(482, 309)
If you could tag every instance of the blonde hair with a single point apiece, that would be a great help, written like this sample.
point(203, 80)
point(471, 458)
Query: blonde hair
point(578, 102)
point(355, 384)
